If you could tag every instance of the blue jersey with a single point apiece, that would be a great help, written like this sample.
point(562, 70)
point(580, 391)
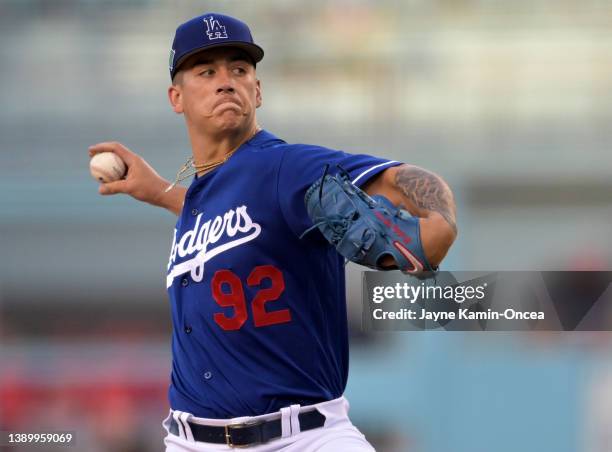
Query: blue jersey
point(259, 315)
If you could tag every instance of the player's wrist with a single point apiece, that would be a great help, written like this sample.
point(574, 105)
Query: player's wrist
point(171, 200)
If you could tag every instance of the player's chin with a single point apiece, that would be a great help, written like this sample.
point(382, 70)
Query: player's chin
point(231, 117)
point(229, 122)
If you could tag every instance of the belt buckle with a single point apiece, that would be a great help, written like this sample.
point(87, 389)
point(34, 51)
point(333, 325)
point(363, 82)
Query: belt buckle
point(230, 427)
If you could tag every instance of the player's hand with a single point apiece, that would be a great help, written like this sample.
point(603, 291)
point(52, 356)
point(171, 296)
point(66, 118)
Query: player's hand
point(141, 181)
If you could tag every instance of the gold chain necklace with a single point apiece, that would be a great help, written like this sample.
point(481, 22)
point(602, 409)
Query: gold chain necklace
point(207, 166)
point(195, 168)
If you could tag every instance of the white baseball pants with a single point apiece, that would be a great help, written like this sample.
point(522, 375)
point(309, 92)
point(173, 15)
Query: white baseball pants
point(337, 434)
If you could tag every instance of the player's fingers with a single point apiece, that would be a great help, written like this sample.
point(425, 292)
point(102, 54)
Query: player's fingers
point(112, 188)
point(113, 146)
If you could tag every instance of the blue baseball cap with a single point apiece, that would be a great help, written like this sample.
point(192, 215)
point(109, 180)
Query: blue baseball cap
point(211, 30)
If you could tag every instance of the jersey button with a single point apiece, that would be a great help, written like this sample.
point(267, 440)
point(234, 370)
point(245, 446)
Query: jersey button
point(194, 212)
point(184, 282)
point(187, 329)
point(208, 375)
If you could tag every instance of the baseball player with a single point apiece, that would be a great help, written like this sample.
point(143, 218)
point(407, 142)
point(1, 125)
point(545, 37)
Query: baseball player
point(256, 268)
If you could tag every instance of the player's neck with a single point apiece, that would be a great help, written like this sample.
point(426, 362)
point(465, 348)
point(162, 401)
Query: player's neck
point(213, 148)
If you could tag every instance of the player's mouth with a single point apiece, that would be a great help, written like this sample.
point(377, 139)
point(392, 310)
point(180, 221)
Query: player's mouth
point(227, 101)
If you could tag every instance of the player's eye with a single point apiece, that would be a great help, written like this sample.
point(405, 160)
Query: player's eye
point(239, 70)
point(206, 72)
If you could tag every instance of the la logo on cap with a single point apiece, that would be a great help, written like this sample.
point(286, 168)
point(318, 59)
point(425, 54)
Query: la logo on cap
point(214, 29)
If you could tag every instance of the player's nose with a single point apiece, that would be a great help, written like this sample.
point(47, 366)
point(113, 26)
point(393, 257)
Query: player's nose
point(226, 83)
point(225, 88)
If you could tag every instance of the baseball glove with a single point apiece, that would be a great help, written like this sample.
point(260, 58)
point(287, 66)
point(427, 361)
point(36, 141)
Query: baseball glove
point(365, 229)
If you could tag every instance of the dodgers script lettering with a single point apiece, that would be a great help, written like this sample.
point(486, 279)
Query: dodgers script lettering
point(235, 224)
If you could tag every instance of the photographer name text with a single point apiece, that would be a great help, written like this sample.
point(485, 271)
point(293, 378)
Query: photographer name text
point(399, 294)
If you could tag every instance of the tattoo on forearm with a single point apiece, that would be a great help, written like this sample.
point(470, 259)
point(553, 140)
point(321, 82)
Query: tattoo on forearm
point(427, 191)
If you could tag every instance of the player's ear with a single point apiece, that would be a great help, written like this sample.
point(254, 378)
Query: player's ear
point(258, 94)
point(175, 97)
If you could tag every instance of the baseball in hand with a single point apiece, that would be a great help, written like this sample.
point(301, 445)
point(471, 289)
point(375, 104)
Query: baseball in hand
point(107, 167)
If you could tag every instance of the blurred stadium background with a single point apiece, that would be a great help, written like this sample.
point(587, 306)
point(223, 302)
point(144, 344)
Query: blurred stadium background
point(511, 101)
